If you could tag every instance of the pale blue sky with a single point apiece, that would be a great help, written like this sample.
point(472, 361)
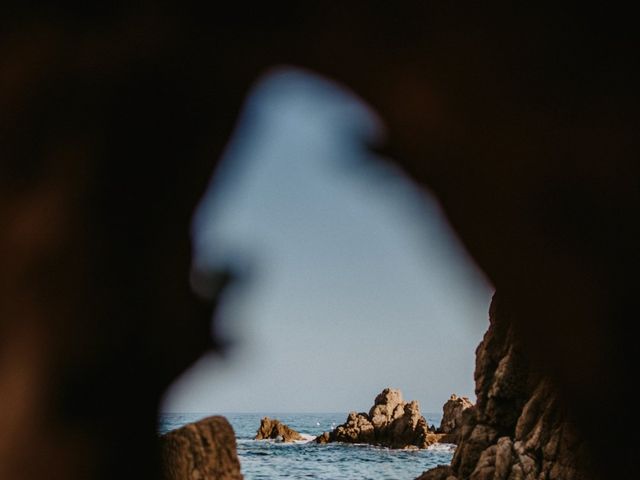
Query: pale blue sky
point(354, 280)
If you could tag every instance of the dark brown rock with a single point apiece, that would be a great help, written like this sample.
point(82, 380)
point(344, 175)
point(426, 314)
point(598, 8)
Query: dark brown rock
point(518, 429)
point(324, 437)
point(391, 422)
point(441, 472)
point(270, 428)
point(203, 450)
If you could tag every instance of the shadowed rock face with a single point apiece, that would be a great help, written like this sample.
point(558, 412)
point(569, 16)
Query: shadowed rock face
point(203, 450)
point(391, 422)
point(518, 429)
point(271, 428)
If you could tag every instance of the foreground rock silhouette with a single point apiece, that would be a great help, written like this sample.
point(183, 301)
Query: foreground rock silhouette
point(517, 430)
point(391, 422)
point(270, 428)
point(203, 450)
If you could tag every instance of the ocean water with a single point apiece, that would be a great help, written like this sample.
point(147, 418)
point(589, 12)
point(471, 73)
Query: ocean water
point(272, 460)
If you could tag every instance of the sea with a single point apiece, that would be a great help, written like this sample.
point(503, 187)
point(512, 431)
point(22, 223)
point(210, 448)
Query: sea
point(273, 460)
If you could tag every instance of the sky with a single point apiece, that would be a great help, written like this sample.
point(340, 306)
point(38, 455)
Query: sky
point(352, 280)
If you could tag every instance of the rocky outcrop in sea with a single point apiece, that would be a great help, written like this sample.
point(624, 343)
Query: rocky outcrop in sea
point(518, 429)
point(452, 417)
point(270, 428)
point(391, 422)
point(203, 450)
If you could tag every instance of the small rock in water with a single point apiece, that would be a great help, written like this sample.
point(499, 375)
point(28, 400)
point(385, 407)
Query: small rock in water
point(270, 428)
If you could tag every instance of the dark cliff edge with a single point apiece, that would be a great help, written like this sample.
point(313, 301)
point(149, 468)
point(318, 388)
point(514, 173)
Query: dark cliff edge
point(519, 429)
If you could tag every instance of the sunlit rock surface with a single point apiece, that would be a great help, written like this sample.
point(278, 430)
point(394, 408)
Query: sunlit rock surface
point(270, 428)
point(391, 422)
point(452, 417)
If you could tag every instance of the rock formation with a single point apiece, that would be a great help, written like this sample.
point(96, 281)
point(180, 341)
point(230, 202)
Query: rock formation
point(452, 413)
point(391, 422)
point(270, 428)
point(523, 122)
point(203, 450)
point(518, 430)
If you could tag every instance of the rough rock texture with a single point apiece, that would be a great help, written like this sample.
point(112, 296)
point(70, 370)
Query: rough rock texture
point(452, 412)
point(441, 472)
point(518, 430)
point(270, 428)
point(203, 450)
point(391, 422)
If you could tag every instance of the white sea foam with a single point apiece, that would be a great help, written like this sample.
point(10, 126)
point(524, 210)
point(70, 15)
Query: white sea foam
point(306, 438)
point(442, 447)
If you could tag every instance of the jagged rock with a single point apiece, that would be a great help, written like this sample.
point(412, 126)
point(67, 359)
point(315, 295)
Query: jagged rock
point(452, 414)
point(518, 429)
point(270, 428)
point(203, 450)
point(391, 422)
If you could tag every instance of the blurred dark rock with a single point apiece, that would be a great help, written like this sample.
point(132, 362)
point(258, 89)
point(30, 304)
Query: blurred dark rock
point(203, 450)
point(270, 428)
point(441, 472)
point(391, 422)
point(518, 429)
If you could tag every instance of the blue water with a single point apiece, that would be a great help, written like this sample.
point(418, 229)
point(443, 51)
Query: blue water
point(271, 460)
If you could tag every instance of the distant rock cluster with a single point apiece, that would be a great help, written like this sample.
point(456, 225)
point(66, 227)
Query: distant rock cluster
point(270, 428)
point(391, 422)
point(206, 449)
